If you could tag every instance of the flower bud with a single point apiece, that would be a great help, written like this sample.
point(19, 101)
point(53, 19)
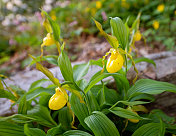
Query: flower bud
point(59, 99)
point(115, 62)
point(48, 40)
point(137, 36)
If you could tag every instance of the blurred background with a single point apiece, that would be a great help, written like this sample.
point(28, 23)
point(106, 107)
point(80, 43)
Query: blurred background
point(21, 30)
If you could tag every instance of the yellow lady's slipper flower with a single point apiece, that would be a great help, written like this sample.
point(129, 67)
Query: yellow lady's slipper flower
point(59, 99)
point(115, 62)
point(133, 120)
point(137, 36)
point(98, 4)
point(160, 8)
point(175, 12)
point(48, 40)
point(156, 25)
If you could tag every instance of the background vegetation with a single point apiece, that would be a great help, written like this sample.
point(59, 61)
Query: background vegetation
point(21, 31)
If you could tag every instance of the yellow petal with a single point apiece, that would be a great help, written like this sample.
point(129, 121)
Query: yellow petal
point(58, 100)
point(115, 62)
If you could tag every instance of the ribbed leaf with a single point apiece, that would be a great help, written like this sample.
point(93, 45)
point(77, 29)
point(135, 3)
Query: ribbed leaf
point(33, 93)
point(101, 125)
point(97, 62)
point(102, 76)
point(150, 129)
point(76, 133)
point(148, 86)
point(133, 103)
point(23, 106)
point(55, 131)
point(65, 118)
point(124, 113)
point(122, 84)
point(7, 94)
point(92, 102)
point(79, 109)
point(107, 97)
point(33, 131)
point(18, 118)
point(80, 71)
point(42, 116)
point(38, 83)
point(149, 97)
point(65, 67)
point(10, 129)
point(119, 31)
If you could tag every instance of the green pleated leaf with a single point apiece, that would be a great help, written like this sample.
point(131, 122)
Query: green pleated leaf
point(33, 93)
point(76, 133)
point(150, 129)
point(65, 67)
point(38, 83)
point(79, 109)
point(55, 131)
point(121, 83)
point(82, 84)
point(92, 102)
point(107, 97)
point(23, 106)
point(7, 94)
point(148, 86)
point(133, 103)
point(80, 71)
point(99, 77)
point(97, 62)
point(149, 97)
point(33, 131)
point(44, 99)
point(119, 31)
point(18, 118)
point(111, 39)
point(124, 113)
point(65, 118)
point(10, 129)
point(101, 125)
point(42, 116)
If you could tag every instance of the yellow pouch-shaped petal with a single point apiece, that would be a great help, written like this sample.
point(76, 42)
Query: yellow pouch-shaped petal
point(48, 40)
point(115, 62)
point(58, 100)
